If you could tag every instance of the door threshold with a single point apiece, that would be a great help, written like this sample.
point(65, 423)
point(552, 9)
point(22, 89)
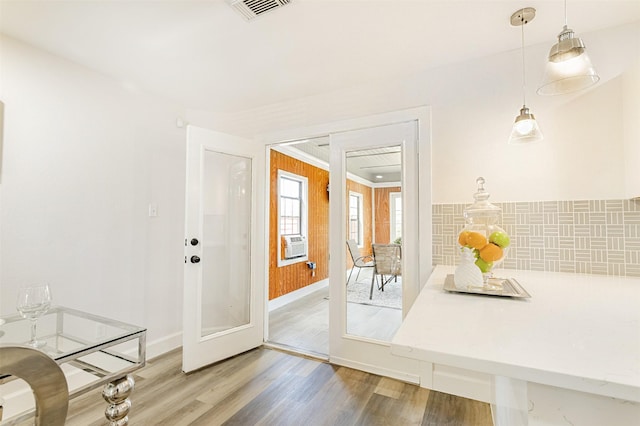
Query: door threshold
point(297, 351)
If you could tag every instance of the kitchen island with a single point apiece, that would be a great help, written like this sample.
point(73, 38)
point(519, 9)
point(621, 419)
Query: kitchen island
point(570, 354)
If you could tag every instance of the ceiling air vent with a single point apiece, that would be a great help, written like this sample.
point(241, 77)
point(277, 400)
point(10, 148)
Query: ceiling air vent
point(251, 9)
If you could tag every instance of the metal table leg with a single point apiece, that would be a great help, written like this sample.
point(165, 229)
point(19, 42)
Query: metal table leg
point(117, 394)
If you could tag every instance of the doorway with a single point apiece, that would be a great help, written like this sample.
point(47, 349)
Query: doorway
point(298, 313)
point(373, 215)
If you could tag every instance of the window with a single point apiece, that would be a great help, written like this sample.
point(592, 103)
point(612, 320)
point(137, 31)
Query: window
point(292, 217)
point(290, 206)
point(395, 209)
point(356, 225)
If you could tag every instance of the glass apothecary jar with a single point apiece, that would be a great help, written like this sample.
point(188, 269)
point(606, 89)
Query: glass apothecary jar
point(482, 234)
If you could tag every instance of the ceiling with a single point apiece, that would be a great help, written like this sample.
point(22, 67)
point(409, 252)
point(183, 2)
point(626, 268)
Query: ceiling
point(376, 165)
point(204, 55)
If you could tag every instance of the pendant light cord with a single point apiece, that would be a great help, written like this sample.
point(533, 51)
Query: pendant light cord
point(565, 13)
point(524, 101)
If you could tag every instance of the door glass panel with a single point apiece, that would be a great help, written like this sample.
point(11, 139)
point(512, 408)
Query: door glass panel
point(226, 230)
point(395, 205)
point(374, 289)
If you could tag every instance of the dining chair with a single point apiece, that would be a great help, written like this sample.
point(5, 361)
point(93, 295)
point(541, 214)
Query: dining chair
point(387, 263)
point(359, 261)
point(44, 376)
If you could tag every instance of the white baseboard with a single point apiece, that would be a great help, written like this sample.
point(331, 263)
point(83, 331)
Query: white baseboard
point(163, 345)
point(374, 369)
point(281, 301)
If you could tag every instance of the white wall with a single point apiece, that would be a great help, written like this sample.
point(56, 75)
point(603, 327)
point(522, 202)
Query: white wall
point(83, 157)
point(474, 105)
point(631, 102)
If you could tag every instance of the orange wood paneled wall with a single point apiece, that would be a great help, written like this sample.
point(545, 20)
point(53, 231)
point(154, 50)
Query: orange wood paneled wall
point(285, 279)
point(367, 216)
point(383, 215)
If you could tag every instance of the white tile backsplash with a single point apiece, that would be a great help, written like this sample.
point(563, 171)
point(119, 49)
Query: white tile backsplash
point(585, 236)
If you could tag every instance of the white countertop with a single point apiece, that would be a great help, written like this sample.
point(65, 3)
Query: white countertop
point(579, 332)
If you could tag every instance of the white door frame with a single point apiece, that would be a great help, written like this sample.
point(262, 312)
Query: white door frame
point(421, 115)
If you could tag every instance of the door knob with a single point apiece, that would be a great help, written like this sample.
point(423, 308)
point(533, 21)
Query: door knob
point(195, 259)
point(194, 241)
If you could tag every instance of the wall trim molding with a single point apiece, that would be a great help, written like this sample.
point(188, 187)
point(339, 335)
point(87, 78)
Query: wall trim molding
point(285, 299)
point(163, 345)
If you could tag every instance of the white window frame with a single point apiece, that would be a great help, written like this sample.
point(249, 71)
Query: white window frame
point(392, 216)
point(304, 216)
point(360, 198)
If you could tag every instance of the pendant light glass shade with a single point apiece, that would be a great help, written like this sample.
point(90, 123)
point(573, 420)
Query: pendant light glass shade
point(525, 129)
point(569, 68)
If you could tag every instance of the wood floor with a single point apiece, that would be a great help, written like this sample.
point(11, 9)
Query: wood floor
point(269, 387)
point(304, 323)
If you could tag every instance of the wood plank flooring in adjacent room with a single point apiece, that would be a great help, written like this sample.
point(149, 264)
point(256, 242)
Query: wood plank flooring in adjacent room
point(269, 387)
point(303, 325)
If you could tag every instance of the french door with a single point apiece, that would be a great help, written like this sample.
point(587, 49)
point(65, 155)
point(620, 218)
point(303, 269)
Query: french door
point(347, 347)
point(225, 250)
point(224, 274)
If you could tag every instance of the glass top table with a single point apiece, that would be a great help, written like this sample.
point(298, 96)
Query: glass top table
point(84, 343)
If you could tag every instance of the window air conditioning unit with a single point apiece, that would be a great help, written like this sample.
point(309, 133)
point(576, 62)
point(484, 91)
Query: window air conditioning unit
point(295, 246)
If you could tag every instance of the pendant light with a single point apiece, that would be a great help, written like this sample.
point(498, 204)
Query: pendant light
point(569, 68)
point(525, 129)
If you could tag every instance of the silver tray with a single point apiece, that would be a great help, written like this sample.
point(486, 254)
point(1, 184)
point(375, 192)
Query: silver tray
point(506, 287)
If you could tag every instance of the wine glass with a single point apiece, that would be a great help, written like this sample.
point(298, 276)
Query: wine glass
point(33, 302)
